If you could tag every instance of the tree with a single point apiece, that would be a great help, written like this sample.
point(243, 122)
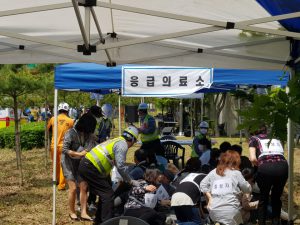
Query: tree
point(17, 81)
point(217, 104)
point(274, 109)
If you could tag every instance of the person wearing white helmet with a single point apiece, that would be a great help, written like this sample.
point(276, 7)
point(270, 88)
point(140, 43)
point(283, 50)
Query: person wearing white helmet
point(96, 166)
point(198, 148)
point(64, 123)
point(105, 125)
point(149, 134)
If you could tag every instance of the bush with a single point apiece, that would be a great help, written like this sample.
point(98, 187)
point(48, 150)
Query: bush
point(32, 136)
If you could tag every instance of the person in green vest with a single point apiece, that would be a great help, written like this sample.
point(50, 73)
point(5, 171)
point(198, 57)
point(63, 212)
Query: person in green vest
point(96, 166)
point(149, 134)
point(197, 147)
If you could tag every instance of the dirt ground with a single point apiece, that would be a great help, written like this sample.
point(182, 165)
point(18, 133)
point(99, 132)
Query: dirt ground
point(32, 203)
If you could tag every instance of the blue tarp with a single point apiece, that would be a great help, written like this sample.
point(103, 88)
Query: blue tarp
point(99, 78)
point(279, 7)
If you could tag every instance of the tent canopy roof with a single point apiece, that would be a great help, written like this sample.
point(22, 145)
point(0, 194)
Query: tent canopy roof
point(176, 33)
point(95, 77)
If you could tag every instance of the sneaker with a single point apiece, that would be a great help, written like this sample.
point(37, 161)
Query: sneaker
point(170, 221)
point(92, 207)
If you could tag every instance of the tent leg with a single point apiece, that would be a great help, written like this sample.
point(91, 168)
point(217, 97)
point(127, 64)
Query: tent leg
point(290, 145)
point(120, 128)
point(180, 118)
point(54, 157)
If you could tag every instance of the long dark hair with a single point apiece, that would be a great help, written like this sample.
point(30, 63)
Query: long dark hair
point(86, 124)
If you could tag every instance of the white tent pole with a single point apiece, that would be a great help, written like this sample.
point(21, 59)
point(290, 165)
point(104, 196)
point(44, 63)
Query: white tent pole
point(180, 118)
point(290, 145)
point(120, 128)
point(159, 37)
point(54, 157)
point(202, 108)
point(37, 39)
point(239, 118)
point(161, 14)
point(194, 19)
point(102, 40)
point(87, 23)
point(192, 116)
point(35, 9)
point(80, 23)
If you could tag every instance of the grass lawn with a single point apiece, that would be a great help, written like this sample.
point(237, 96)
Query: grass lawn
point(32, 203)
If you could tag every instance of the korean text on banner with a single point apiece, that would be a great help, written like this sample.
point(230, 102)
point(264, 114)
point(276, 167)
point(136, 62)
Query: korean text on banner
point(164, 81)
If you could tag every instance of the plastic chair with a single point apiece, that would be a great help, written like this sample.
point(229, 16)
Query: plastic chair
point(125, 220)
point(172, 150)
point(168, 137)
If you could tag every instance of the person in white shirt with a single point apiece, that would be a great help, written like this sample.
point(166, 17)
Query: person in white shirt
point(223, 187)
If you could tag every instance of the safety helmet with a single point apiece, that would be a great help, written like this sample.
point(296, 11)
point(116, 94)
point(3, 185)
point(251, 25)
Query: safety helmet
point(203, 124)
point(107, 110)
point(132, 131)
point(143, 106)
point(63, 106)
point(27, 111)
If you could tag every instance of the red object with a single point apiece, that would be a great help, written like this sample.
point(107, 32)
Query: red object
point(7, 121)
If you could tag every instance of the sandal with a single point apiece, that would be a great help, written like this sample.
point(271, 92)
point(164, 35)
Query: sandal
point(86, 218)
point(74, 218)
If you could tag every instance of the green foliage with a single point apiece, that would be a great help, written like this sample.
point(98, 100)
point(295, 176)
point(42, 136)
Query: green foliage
point(32, 136)
point(274, 110)
point(16, 82)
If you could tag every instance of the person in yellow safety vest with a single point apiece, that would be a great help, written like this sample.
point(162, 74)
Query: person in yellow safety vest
point(96, 166)
point(64, 123)
point(197, 148)
point(149, 134)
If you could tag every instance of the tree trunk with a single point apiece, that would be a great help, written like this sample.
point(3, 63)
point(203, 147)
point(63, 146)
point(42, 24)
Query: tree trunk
point(219, 103)
point(17, 140)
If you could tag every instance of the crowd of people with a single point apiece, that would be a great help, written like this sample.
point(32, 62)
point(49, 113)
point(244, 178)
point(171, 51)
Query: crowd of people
point(217, 185)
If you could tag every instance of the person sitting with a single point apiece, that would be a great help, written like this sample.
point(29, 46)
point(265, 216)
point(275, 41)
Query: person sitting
point(224, 146)
point(142, 200)
point(245, 161)
point(249, 204)
point(192, 165)
point(205, 146)
point(222, 187)
point(186, 199)
point(214, 158)
point(137, 171)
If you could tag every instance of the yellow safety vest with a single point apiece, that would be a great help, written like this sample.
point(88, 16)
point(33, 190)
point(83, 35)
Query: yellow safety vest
point(194, 153)
point(149, 137)
point(102, 156)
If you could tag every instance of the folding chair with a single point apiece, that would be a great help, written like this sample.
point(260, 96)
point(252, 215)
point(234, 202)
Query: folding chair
point(172, 152)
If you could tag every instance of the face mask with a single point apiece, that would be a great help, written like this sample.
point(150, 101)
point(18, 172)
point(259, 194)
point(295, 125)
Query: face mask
point(201, 147)
point(203, 131)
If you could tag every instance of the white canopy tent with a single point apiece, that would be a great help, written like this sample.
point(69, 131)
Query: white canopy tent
point(178, 33)
point(148, 32)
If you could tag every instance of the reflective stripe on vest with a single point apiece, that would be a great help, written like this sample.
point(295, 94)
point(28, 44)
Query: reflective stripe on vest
point(102, 156)
point(152, 136)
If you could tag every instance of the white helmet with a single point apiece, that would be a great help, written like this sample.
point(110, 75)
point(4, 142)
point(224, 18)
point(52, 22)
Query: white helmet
point(143, 106)
point(63, 106)
point(132, 131)
point(107, 110)
point(203, 124)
